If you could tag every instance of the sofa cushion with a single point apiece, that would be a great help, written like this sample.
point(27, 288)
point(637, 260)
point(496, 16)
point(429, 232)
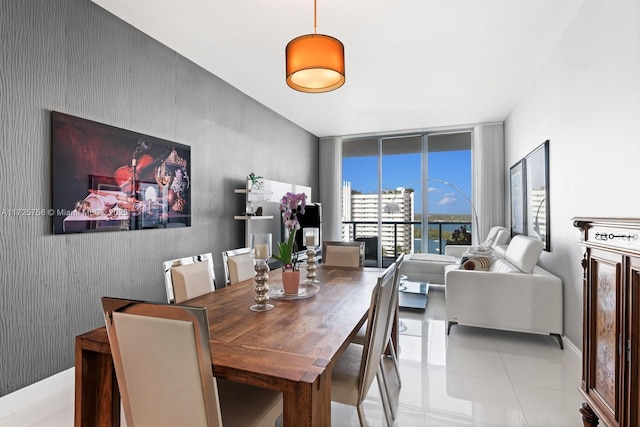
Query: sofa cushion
point(499, 251)
point(445, 259)
point(502, 266)
point(523, 252)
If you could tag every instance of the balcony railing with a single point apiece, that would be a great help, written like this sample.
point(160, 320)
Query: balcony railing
point(405, 236)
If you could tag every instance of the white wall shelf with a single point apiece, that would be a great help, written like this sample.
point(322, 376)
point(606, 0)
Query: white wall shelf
point(252, 217)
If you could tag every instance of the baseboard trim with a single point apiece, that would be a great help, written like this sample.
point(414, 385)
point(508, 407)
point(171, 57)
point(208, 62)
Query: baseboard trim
point(575, 351)
point(569, 344)
point(24, 397)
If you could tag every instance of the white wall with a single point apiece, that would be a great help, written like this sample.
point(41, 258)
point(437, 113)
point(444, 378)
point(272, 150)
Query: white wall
point(586, 101)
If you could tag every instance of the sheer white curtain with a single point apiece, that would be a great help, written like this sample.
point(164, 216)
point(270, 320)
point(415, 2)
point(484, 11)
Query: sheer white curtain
point(488, 177)
point(331, 187)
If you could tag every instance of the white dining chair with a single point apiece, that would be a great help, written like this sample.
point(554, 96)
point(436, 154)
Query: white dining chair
point(353, 373)
point(343, 254)
point(238, 265)
point(189, 277)
point(361, 336)
point(163, 366)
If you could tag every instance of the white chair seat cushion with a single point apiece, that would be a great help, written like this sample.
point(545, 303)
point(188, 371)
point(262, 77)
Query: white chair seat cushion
point(243, 405)
point(344, 376)
point(191, 280)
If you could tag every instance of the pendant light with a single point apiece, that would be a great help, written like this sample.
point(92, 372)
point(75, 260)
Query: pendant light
point(315, 62)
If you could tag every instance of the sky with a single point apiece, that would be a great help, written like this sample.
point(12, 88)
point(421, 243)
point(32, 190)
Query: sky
point(404, 170)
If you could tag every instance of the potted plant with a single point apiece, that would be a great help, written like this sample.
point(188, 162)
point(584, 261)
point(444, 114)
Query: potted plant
point(290, 205)
point(254, 182)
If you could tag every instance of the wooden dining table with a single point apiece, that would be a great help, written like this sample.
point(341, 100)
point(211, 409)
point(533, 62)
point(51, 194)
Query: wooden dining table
point(291, 348)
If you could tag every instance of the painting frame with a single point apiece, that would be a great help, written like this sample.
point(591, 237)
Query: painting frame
point(538, 213)
point(517, 175)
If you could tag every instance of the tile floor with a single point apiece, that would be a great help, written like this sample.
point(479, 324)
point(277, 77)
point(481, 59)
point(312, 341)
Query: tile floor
point(473, 377)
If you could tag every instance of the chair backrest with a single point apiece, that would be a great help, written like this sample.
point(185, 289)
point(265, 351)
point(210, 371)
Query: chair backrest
point(238, 265)
point(394, 296)
point(189, 277)
point(376, 340)
point(343, 254)
point(162, 362)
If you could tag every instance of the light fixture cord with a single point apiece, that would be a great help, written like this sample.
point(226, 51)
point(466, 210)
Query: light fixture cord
point(315, 9)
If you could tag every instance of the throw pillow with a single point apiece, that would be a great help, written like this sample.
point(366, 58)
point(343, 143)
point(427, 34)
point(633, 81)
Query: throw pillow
point(476, 263)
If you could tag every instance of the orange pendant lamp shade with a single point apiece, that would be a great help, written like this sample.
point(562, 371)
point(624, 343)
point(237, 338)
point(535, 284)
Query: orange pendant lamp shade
point(315, 63)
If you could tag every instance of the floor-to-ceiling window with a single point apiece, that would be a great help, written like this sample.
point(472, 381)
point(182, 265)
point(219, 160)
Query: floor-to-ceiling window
point(389, 182)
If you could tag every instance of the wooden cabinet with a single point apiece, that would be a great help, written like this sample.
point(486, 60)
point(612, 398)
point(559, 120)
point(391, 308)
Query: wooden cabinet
point(611, 321)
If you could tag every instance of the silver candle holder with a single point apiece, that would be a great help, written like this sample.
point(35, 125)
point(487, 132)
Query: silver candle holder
point(311, 266)
point(260, 244)
point(311, 242)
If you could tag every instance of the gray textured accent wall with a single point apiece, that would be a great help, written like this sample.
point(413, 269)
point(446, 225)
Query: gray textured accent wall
point(74, 57)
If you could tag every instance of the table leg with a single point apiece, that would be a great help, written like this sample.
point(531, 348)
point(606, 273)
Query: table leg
point(97, 398)
point(309, 404)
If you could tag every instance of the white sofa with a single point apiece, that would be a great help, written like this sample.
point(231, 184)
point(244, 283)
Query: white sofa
point(515, 294)
point(430, 267)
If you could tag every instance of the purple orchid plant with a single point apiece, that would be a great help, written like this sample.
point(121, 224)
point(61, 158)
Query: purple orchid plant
point(290, 205)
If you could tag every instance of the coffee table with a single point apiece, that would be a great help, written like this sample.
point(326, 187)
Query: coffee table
point(412, 294)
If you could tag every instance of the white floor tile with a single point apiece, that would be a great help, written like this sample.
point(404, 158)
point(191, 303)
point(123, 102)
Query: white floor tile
point(471, 377)
point(549, 408)
point(478, 400)
point(541, 372)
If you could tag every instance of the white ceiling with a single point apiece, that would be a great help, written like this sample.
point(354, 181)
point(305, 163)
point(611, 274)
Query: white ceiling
point(410, 64)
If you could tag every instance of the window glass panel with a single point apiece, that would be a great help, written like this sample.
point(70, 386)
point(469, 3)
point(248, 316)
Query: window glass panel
point(360, 188)
point(449, 190)
point(385, 191)
point(401, 194)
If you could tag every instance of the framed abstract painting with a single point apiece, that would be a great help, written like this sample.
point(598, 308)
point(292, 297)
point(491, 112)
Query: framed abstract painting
point(109, 179)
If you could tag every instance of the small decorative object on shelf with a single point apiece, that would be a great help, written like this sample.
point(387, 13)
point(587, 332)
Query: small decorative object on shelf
point(311, 242)
point(254, 182)
point(260, 244)
point(290, 205)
